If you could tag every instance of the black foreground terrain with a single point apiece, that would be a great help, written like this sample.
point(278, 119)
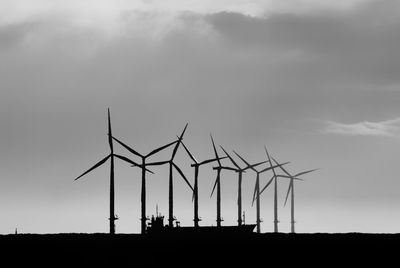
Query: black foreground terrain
point(262, 250)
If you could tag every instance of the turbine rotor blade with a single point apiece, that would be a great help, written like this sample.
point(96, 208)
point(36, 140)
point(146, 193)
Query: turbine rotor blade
point(160, 149)
point(254, 165)
point(247, 163)
point(126, 159)
point(109, 131)
point(254, 194)
point(215, 184)
point(160, 163)
point(288, 191)
point(101, 162)
point(305, 172)
point(265, 147)
point(269, 160)
point(230, 158)
point(289, 177)
point(281, 167)
point(127, 147)
point(188, 152)
point(266, 186)
point(272, 167)
point(179, 142)
point(211, 160)
point(215, 150)
point(131, 162)
point(183, 176)
point(229, 168)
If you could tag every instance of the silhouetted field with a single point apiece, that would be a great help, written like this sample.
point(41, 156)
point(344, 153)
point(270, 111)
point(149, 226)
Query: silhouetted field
point(318, 250)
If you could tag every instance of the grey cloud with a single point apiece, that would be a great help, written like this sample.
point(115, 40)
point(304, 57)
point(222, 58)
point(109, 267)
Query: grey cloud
point(388, 128)
point(12, 35)
point(355, 44)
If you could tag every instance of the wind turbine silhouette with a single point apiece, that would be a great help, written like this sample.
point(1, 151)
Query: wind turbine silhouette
point(101, 162)
point(197, 166)
point(239, 171)
point(276, 221)
point(172, 165)
point(291, 190)
point(217, 184)
point(143, 166)
point(257, 189)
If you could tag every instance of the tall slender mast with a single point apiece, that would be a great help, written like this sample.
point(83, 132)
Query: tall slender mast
point(293, 222)
point(196, 196)
point(143, 198)
point(258, 202)
point(276, 221)
point(240, 197)
point(217, 183)
point(219, 198)
point(112, 197)
point(171, 197)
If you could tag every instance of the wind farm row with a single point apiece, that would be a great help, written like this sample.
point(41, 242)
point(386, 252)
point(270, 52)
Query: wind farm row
point(225, 162)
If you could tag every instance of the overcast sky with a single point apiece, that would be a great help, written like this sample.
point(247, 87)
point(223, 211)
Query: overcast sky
point(315, 81)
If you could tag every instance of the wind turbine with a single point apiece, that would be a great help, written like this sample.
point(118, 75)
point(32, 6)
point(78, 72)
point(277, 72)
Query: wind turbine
point(276, 221)
point(110, 156)
point(197, 166)
point(172, 165)
point(291, 190)
point(143, 166)
point(256, 194)
point(217, 184)
point(239, 171)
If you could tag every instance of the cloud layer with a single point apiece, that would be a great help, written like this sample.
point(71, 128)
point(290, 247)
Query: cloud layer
point(114, 18)
point(17, 11)
point(388, 128)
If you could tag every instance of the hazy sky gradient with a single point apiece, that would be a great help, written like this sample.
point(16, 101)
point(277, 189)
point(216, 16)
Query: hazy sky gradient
point(317, 83)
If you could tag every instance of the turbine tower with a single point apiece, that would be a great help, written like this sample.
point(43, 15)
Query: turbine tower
point(276, 221)
point(291, 190)
point(143, 166)
point(110, 156)
point(256, 193)
point(197, 166)
point(239, 171)
point(217, 184)
point(173, 166)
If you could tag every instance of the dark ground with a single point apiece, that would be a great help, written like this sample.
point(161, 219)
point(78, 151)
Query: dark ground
point(263, 250)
